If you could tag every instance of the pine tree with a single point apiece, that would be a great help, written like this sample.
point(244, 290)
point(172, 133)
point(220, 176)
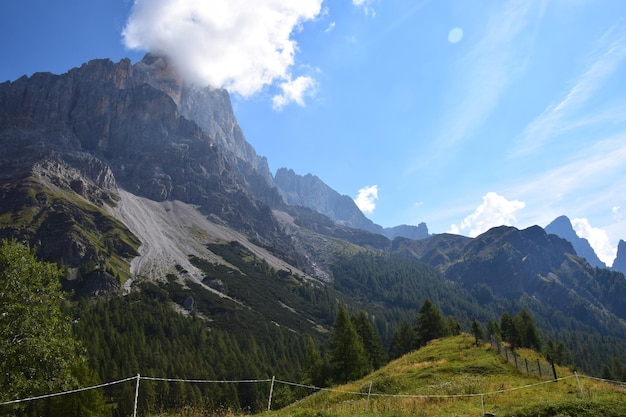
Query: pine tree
point(403, 340)
point(477, 331)
point(510, 333)
point(371, 340)
point(346, 350)
point(313, 367)
point(493, 329)
point(454, 327)
point(528, 332)
point(430, 323)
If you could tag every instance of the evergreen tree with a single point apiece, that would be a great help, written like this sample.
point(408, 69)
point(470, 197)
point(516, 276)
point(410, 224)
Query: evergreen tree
point(346, 350)
point(430, 323)
point(403, 340)
point(371, 340)
point(454, 327)
point(527, 330)
point(477, 331)
point(510, 333)
point(313, 367)
point(493, 329)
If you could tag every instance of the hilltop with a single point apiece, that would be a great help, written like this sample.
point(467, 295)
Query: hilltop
point(454, 377)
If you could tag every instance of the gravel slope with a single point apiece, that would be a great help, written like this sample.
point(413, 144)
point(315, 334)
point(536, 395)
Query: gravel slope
point(171, 231)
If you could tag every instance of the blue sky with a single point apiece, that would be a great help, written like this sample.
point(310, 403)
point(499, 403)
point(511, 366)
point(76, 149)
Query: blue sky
point(460, 114)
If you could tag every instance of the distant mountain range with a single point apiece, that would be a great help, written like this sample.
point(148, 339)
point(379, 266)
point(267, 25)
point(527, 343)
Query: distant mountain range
point(136, 182)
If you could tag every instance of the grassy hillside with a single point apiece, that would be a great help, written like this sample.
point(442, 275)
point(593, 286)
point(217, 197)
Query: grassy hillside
point(453, 377)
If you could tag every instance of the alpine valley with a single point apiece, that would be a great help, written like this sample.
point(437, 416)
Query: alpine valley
point(186, 257)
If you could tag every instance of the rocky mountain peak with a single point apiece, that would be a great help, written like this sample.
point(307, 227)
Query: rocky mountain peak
point(161, 75)
point(562, 227)
point(619, 264)
point(311, 192)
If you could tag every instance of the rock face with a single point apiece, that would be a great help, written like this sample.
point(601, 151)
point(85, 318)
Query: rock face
point(619, 264)
point(562, 227)
point(128, 116)
point(311, 192)
point(105, 125)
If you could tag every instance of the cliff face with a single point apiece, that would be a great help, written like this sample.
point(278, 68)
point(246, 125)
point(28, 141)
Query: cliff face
point(128, 116)
point(103, 125)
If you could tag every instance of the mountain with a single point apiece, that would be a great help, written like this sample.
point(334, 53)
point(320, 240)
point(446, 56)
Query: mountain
point(73, 140)
point(534, 269)
point(562, 226)
point(619, 264)
point(311, 192)
point(140, 185)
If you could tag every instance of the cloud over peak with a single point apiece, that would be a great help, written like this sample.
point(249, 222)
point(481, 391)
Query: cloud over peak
point(366, 200)
point(239, 45)
point(495, 210)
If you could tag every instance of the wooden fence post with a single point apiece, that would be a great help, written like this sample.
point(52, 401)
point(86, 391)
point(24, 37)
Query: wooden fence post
point(269, 401)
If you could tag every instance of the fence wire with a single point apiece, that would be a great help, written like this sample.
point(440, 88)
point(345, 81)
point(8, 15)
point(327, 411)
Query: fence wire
point(538, 367)
point(274, 381)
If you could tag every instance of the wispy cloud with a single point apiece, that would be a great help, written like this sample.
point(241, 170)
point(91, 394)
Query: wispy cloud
point(367, 6)
point(590, 185)
point(565, 114)
point(597, 167)
point(487, 69)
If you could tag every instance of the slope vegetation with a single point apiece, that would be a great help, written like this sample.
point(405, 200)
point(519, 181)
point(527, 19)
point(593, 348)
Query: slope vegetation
point(454, 377)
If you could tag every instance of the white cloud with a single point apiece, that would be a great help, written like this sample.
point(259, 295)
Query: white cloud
point(598, 239)
point(366, 200)
point(240, 45)
point(495, 210)
point(293, 91)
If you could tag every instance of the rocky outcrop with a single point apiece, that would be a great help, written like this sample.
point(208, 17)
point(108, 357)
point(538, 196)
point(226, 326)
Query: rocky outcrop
point(562, 227)
point(619, 264)
point(210, 109)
